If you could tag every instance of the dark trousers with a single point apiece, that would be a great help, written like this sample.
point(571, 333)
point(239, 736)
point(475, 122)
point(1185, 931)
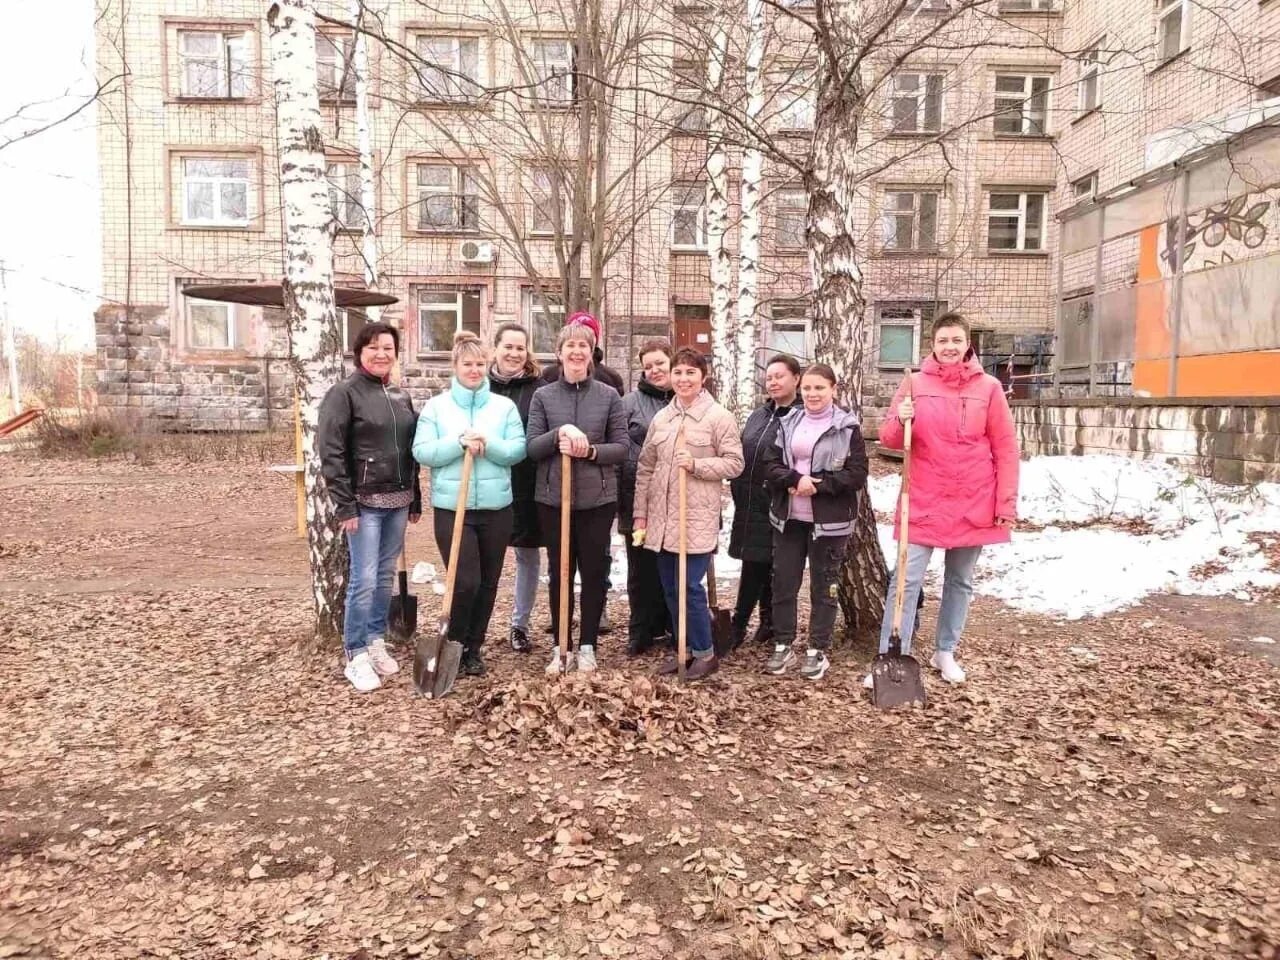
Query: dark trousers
point(825, 555)
point(485, 535)
point(589, 532)
point(649, 618)
point(755, 586)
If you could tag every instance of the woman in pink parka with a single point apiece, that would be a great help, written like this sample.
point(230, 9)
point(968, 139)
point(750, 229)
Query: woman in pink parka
point(964, 481)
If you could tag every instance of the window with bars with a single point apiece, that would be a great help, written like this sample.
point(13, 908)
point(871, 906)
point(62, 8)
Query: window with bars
point(1015, 222)
point(344, 194)
point(1022, 105)
point(797, 102)
point(551, 69)
point(1089, 86)
point(442, 312)
point(451, 68)
point(917, 102)
point(335, 75)
point(909, 221)
point(689, 216)
point(542, 313)
point(213, 64)
point(691, 116)
point(542, 202)
point(215, 191)
point(789, 328)
point(1173, 28)
point(791, 208)
point(447, 198)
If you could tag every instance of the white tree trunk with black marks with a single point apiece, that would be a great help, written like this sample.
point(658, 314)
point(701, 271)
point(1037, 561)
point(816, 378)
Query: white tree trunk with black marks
point(364, 143)
point(831, 182)
point(746, 335)
point(724, 358)
point(315, 337)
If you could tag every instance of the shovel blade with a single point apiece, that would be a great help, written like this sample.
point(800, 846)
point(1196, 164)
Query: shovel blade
point(426, 662)
point(402, 617)
point(896, 681)
point(447, 672)
point(722, 631)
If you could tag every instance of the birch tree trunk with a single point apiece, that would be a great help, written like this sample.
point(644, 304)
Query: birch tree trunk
point(831, 182)
point(717, 205)
point(364, 143)
point(745, 336)
point(314, 335)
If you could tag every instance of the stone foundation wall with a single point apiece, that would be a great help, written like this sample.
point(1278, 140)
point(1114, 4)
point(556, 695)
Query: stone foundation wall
point(1234, 440)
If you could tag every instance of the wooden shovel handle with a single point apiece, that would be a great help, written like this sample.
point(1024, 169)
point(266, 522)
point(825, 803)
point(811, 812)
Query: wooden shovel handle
point(683, 576)
point(904, 509)
point(712, 600)
point(455, 545)
point(566, 584)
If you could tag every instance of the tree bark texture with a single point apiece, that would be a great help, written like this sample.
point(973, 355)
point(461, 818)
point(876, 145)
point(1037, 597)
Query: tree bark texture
point(315, 337)
point(831, 182)
point(723, 353)
point(364, 141)
point(746, 335)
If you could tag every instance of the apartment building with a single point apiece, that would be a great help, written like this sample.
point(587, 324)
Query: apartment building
point(1169, 200)
point(481, 196)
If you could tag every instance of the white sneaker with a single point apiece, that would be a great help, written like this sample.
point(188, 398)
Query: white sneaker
point(945, 663)
point(586, 659)
point(383, 661)
point(554, 666)
point(868, 683)
point(361, 673)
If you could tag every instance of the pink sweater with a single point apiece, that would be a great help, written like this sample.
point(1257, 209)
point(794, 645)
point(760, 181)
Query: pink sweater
point(812, 426)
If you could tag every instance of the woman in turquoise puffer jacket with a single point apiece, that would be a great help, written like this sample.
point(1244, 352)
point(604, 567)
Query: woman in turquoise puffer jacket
point(469, 417)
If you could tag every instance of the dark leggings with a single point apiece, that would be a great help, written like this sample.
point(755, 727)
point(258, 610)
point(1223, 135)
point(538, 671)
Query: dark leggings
point(755, 586)
point(485, 534)
point(589, 533)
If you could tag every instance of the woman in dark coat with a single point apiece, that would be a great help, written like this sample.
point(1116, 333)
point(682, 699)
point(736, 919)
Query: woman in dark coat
point(515, 374)
point(751, 536)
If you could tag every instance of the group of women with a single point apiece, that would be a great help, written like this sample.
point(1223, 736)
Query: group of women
point(795, 472)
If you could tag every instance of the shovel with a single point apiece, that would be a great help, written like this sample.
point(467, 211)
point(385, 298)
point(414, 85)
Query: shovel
point(895, 676)
point(402, 617)
point(721, 619)
point(683, 577)
point(436, 659)
point(566, 584)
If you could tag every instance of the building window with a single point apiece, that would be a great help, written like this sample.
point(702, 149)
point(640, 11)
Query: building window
point(791, 209)
point(344, 194)
point(542, 313)
point(689, 216)
point(1015, 221)
point(451, 69)
point(1027, 6)
point(909, 221)
point(798, 103)
point(551, 69)
point(214, 64)
point(1022, 105)
point(789, 329)
point(1089, 86)
point(543, 202)
point(898, 329)
point(352, 322)
point(691, 116)
point(447, 198)
point(1086, 188)
point(335, 75)
point(917, 102)
point(442, 312)
point(215, 191)
point(930, 6)
point(1173, 28)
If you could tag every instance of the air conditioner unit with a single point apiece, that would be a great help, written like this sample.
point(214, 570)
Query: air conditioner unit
point(476, 251)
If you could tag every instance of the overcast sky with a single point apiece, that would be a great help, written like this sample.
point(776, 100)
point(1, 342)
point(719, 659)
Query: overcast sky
point(49, 183)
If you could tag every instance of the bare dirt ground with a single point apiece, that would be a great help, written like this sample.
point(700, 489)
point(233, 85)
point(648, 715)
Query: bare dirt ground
point(176, 780)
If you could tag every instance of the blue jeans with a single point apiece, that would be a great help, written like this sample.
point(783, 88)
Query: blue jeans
point(953, 608)
point(528, 566)
point(374, 548)
point(698, 629)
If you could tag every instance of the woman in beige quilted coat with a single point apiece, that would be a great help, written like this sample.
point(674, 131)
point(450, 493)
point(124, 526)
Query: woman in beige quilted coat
point(695, 434)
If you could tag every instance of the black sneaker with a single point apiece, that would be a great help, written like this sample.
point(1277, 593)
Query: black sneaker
point(763, 635)
point(473, 664)
point(520, 641)
point(606, 625)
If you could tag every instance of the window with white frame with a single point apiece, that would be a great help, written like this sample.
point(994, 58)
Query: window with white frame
point(447, 197)
point(917, 102)
point(898, 334)
point(1086, 188)
point(1015, 221)
point(1022, 105)
point(542, 313)
point(1173, 28)
point(551, 69)
point(352, 322)
point(215, 191)
point(1027, 6)
point(213, 63)
point(791, 209)
point(797, 102)
point(689, 216)
point(335, 75)
point(207, 324)
point(451, 69)
point(789, 329)
point(691, 116)
point(546, 191)
point(442, 312)
point(344, 194)
point(909, 221)
point(1089, 86)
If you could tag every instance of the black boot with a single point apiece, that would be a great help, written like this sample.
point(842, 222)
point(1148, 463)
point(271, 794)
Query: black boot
point(763, 634)
point(473, 663)
point(738, 634)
